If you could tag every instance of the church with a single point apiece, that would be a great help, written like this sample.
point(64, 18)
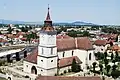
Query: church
point(55, 55)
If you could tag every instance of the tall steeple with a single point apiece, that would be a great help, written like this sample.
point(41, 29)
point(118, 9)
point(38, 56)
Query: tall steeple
point(48, 15)
point(48, 22)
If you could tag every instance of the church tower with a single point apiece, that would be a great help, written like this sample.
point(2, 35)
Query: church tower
point(47, 50)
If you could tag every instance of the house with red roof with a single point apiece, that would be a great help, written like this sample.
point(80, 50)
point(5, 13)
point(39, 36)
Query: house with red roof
point(55, 55)
point(100, 45)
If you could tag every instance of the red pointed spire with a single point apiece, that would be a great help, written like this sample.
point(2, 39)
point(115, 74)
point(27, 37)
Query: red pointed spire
point(48, 15)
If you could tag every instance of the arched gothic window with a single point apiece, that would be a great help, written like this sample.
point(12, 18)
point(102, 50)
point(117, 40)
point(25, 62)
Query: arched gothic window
point(33, 70)
point(90, 56)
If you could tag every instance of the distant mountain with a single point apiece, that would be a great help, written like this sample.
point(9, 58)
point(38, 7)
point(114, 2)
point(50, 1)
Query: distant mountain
point(82, 23)
point(78, 23)
point(2, 21)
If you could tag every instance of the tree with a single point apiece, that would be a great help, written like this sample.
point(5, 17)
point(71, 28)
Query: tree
point(94, 65)
point(8, 58)
point(113, 61)
point(28, 38)
point(106, 62)
point(99, 55)
point(105, 55)
point(9, 30)
point(116, 56)
point(75, 66)
point(114, 67)
point(112, 56)
point(72, 34)
point(108, 68)
point(101, 67)
point(86, 33)
point(111, 43)
point(24, 29)
point(115, 74)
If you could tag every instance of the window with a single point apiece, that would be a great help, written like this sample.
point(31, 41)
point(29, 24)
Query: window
point(41, 60)
point(51, 60)
point(63, 54)
point(26, 65)
point(102, 49)
point(41, 70)
point(42, 50)
point(51, 50)
point(90, 56)
point(72, 53)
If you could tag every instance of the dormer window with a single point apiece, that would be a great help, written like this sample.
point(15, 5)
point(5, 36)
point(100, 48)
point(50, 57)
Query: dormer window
point(63, 54)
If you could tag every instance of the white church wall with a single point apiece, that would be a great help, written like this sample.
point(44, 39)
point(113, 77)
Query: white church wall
point(27, 66)
point(67, 53)
point(82, 55)
point(50, 72)
point(47, 63)
point(90, 61)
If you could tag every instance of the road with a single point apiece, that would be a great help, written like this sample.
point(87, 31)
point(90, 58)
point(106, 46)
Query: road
point(2, 49)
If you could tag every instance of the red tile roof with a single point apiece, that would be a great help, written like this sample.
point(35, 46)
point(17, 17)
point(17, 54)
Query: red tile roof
point(113, 36)
point(32, 57)
point(115, 48)
point(65, 44)
point(68, 61)
point(84, 43)
point(66, 78)
point(100, 42)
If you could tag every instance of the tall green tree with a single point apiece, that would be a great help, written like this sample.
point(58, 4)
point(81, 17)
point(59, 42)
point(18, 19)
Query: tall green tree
point(106, 62)
point(86, 33)
point(116, 56)
point(75, 66)
point(101, 68)
point(114, 61)
point(105, 55)
point(114, 67)
point(115, 74)
point(112, 56)
point(108, 68)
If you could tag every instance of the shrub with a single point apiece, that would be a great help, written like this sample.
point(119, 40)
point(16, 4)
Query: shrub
point(115, 74)
point(55, 74)
point(65, 71)
point(69, 70)
point(97, 72)
point(61, 74)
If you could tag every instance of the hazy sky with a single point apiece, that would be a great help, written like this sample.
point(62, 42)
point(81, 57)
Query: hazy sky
point(95, 11)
